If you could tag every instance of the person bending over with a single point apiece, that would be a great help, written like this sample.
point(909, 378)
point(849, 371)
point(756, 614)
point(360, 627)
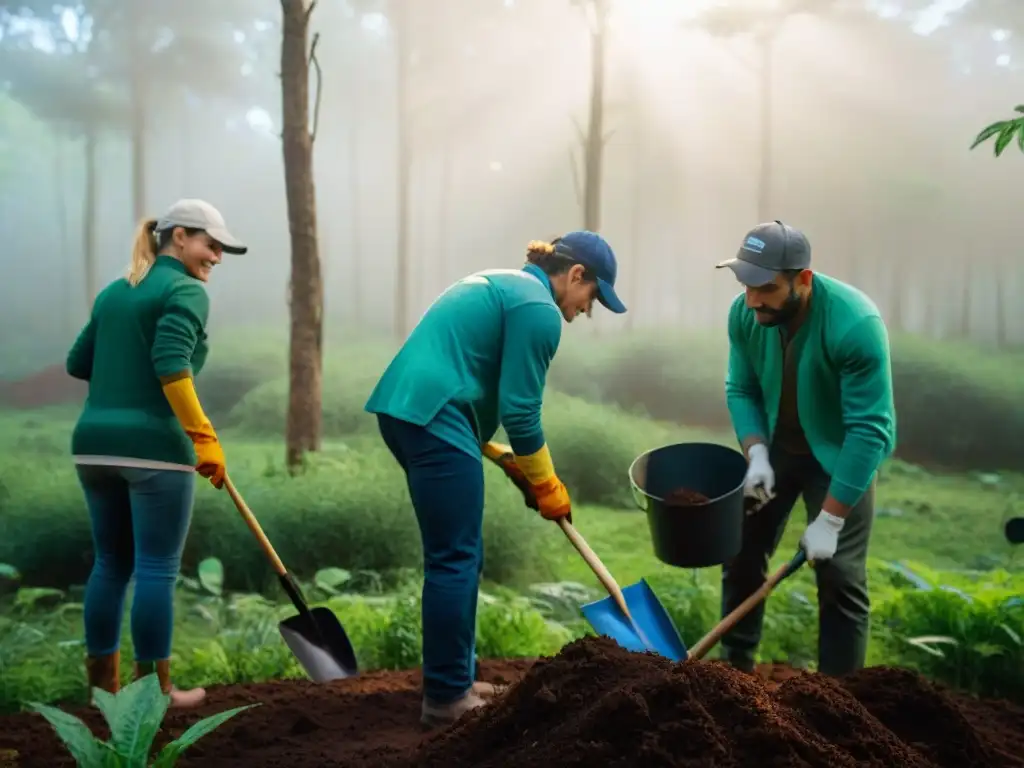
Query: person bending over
point(479, 359)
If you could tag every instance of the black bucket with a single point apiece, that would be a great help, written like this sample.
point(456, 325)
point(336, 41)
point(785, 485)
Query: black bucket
point(685, 533)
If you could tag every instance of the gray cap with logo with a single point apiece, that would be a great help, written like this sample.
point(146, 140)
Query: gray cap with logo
point(199, 214)
point(767, 250)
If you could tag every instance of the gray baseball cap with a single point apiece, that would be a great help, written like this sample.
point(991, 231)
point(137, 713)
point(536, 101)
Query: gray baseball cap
point(767, 250)
point(199, 214)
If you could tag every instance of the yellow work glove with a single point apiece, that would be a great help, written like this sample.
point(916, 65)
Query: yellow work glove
point(502, 455)
point(181, 394)
point(538, 471)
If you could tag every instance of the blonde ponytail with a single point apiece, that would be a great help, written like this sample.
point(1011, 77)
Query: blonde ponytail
point(143, 252)
point(537, 248)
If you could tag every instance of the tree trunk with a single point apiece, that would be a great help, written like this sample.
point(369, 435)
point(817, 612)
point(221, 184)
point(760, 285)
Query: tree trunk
point(404, 160)
point(764, 181)
point(89, 218)
point(355, 220)
point(593, 149)
point(60, 192)
point(306, 282)
point(443, 203)
point(138, 122)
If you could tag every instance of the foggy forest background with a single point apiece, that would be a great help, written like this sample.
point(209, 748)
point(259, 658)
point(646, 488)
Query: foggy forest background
point(849, 120)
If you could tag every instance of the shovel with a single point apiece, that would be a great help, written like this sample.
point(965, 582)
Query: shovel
point(633, 617)
point(710, 640)
point(601, 615)
point(315, 635)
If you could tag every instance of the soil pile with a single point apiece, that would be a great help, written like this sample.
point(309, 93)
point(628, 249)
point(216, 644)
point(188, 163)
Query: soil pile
point(596, 704)
point(684, 497)
point(593, 704)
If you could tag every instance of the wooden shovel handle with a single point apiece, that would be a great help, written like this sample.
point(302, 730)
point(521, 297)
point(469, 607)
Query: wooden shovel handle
point(254, 526)
point(706, 643)
point(602, 573)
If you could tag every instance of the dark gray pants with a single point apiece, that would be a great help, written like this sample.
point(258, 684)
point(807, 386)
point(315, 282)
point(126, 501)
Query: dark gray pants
point(843, 604)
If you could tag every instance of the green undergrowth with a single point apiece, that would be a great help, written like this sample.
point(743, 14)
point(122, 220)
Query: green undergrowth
point(963, 629)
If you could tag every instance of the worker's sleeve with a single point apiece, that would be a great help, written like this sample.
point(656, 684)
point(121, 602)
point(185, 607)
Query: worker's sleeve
point(532, 335)
point(80, 356)
point(869, 414)
point(743, 394)
point(178, 330)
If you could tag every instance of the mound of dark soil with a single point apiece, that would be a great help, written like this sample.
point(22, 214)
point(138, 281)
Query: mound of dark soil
point(596, 704)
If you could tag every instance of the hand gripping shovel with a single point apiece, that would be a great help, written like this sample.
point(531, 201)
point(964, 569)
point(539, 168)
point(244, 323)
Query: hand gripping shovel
point(315, 636)
point(633, 617)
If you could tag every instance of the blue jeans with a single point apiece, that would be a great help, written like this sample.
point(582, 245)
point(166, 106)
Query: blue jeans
point(447, 490)
point(140, 519)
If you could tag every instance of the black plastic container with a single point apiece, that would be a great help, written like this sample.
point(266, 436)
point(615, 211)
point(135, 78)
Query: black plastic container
point(692, 535)
point(1014, 530)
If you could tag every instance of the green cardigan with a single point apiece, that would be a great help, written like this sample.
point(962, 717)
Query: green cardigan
point(478, 359)
point(844, 390)
point(133, 337)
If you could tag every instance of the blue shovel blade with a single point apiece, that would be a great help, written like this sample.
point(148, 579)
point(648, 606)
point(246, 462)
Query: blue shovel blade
point(650, 617)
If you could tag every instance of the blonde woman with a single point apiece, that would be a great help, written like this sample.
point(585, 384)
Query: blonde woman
point(479, 358)
point(142, 435)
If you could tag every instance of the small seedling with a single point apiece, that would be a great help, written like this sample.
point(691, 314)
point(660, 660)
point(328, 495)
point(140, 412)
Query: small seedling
point(134, 715)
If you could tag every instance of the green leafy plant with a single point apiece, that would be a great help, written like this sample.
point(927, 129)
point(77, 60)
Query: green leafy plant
point(134, 715)
point(1004, 131)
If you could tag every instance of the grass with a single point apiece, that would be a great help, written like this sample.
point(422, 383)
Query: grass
point(946, 590)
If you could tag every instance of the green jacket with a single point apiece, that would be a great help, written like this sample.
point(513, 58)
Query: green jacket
point(844, 389)
point(477, 359)
point(134, 336)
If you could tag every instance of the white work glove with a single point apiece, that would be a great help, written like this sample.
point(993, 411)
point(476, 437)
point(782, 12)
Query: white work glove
point(760, 480)
point(821, 538)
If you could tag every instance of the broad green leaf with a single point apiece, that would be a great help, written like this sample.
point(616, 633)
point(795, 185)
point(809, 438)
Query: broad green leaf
point(988, 132)
point(171, 752)
point(1005, 137)
point(29, 597)
point(331, 579)
point(1013, 634)
point(211, 575)
point(8, 571)
point(139, 711)
point(85, 748)
point(926, 642)
point(1019, 108)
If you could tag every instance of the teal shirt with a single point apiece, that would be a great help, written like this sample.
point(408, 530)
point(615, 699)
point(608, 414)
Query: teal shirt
point(477, 359)
point(844, 389)
point(133, 337)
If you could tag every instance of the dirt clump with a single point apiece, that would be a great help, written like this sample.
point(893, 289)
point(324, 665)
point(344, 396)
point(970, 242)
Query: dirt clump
point(593, 704)
point(597, 704)
point(685, 497)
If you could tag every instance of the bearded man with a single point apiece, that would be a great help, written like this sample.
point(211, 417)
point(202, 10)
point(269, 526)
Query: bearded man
point(809, 390)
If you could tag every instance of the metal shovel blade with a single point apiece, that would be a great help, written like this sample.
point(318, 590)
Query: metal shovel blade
point(320, 644)
point(650, 617)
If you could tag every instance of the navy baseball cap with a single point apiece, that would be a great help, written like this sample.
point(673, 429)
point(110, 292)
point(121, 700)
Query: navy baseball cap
point(767, 250)
point(592, 251)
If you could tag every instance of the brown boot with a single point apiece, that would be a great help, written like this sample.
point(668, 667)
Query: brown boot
point(103, 672)
point(190, 698)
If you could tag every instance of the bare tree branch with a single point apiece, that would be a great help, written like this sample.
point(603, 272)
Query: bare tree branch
point(577, 186)
point(580, 133)
point(315, 62)
point(309, 10)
